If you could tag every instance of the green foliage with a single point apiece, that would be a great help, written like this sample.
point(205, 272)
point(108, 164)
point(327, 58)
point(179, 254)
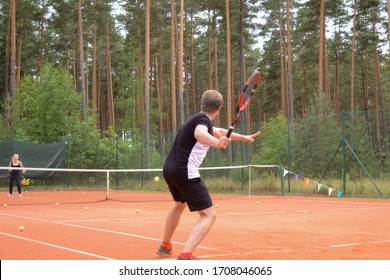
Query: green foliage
point(84, 145)
point(273, 147)
point(48, 108)
point(316, 139)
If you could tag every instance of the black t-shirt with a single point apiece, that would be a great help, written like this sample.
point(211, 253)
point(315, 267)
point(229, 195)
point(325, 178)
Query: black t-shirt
point(187, 153)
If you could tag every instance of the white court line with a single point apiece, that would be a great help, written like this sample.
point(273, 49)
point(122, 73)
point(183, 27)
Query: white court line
point(339, 202)
point(105, 219)
point(249, 213)
point(103, 230)
point(234, 214)
point(343, 245)
point(57, 246)
point(288, 250)
point(383, 241)
point(353, 209)
point(359, 244)
point(246, 253)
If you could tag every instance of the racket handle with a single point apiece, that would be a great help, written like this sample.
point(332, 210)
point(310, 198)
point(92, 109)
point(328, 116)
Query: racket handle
point(230, 130)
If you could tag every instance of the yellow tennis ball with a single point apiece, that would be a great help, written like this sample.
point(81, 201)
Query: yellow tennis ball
point(85, 208)
point(156, 179)
point(136, 210)
point(258, 202)
point(57, 203)
point(21, 228)
point(5, 205)
point(216, 205)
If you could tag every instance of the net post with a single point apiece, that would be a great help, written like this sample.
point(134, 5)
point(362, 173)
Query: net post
point(249, 184)
point(108, 185)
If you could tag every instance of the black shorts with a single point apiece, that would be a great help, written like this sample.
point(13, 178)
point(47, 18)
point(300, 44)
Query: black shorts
point(192, 191)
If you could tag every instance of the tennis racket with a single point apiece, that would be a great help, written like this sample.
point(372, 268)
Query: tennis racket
point(244, 98)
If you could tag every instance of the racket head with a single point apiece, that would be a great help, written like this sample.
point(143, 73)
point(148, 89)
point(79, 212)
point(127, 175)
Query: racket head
point(249, 89)
point(245, 97)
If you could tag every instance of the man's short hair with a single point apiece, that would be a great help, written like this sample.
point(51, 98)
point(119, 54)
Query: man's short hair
point(211, 101)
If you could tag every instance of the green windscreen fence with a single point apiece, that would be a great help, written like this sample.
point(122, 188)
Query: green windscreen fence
point(34, 155)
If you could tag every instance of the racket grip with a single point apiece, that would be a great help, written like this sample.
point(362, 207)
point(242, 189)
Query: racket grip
point(230, 130)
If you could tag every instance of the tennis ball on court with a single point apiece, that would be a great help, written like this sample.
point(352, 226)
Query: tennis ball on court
point(85, 208)
point(156, 179)
point(21, 228)
point(5, 205)
point(136, 210)
point(258, 202)
point(57, 203)
point(216, 205)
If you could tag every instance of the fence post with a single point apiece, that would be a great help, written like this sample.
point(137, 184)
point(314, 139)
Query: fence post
point(68, 161)
point(344, 171)
point(288, 153)
point(281, 179)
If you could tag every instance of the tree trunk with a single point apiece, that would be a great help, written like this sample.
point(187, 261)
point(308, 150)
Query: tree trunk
point(160, 103)
point(173, 71)
point(352, 86)
point(19, 54)
point(228, 78)
point(326, 72)
point(41, 40)
point(99, 96)
point(365, 81)
point(160, 92)
point(321, 55)
point(139, 87)
point(215, 62)
point(388, 25)
point(209, 51)
point(180, 65)
point(244, 119)
point(305, 103)
point(380, 101)
point(147, 93)
point(186, 73)
point(94, 63)
point(289, 63)
point(194, 101)
point(283, 92)
point(81, 61)
point(110, 97)
point(7, 58)
point(13, 51)
point(337, 82)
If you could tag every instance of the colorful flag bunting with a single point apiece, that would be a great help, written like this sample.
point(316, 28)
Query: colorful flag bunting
point(319, 186)
point(296, 177)
point(330, 191)
point(339, 194)
point(285, 172)
point(306, 181)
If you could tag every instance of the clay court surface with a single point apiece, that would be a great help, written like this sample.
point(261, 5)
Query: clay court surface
point(259, 228)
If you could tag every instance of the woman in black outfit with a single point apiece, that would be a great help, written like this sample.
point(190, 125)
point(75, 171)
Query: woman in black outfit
point(15, 175)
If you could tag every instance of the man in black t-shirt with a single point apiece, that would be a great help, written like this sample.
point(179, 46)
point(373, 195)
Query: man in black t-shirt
point(181, 172)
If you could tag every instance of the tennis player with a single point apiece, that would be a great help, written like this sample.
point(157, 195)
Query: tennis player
point(15, 175)
point(181, 173)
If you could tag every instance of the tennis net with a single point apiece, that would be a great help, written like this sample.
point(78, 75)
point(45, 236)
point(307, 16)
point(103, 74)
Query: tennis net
point(90, 185)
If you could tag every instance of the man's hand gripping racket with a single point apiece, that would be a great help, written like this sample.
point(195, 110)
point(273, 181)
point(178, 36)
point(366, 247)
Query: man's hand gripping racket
point(244, 98)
